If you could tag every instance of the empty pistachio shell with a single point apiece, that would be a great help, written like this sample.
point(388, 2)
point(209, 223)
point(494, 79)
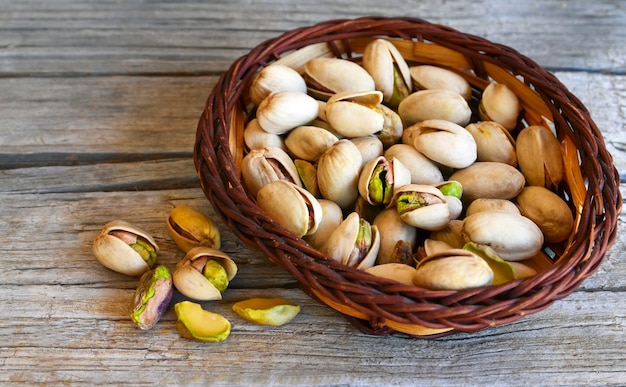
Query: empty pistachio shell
point(282, 111)
point(433, 77)
point(493, 142)
point(275, 78)
point(489, 179)
point(152, 297)
point(548, 210)
point(499, 104)
point(452, 270)
point(388, 69)
point(189, 228)
point(125, 248)
point(539, 156)
point(195, 323)
point(395, 271)
point(432, 104)
point(267, 311)
point(194, 279)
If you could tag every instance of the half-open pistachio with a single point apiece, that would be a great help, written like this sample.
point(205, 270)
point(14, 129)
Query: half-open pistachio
point(379, 177)
point(354, 242)
point(422, 206)
point(190, 228)
point(204, 273)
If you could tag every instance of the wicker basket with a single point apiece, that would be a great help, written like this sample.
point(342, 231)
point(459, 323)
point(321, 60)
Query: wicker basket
point(376, 305)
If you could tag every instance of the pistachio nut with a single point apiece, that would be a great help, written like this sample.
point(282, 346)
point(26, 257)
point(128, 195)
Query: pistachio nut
point(439, 104)
point(338, 173)
point(308, 176)
point(275, 78)
point(355, 114)
point(291, 206)
point(282, 111)
point(256, 138)
point(388, 69)
point(379, 177)
point(392, 129)
point(493, 142)
point(435, 246)
point(354, 243)
point(455, 269)
point(513, 237)
point(273, 311)
point(262, 166)
point(489, 179)
point(392, 229)
point(331, 219)
point(451, 234)
point(399, 272)
point(422, 206)
point(422, 169)
point(540, 157)
point(195, 323)
point(125, 248)
point(500, 104)
point(328, 76)
point(309, 142)
point(446, 143)
point(486, 204)
point(434, 77)
point(189, 228)
point(548, 210)
point(204, 273)
point(370, 147)
point(502, 270)
point(152, 297)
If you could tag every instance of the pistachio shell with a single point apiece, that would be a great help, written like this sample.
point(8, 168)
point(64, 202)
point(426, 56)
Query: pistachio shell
point(267, 311)
point(331, 219)
point(370, 147)
point(521, 270)
point(290, 205)
point(488, 179)
point(434, 246)
point(282, 111)
point(308, 176)
point(328, 76)
point(513, 237)
point(394, 271)
point(388, 69)
point(422, 169)
point(188, 276)
point(309, 142)
point(353, 114)
point(275, 78)
point(445, 143)
point(113, 248)
point(540, 157)
point(485, 204)
point(433, 77)
point(262, 166)
point(195, 323)
point(548, 210)
point(338, 173)
point(422, 206)
point(451, 234)
point(379, 177)
point(392, 229)
point(190, 228)
point(256, 138)
point(499, 104)
point(440, 104)
point(453, 270)
point(493, 142)
point(344, 244)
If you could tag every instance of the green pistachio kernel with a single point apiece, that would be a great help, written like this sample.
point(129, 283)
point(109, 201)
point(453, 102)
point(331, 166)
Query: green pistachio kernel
point(452, 188)
point(409, 201)
point(145, 250)
point(503, 271)
point(400, 90)
point(380, 190)
point(216, 274)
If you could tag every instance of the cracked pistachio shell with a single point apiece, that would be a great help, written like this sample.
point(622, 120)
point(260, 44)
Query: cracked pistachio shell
point(309, 142)
point(493, 142)
point(354, 243)
point(392, 229)
point(256, 138)
point(455, 269)
point(548, 210)
point(282, 111)
point(332, 217)
point(370, 147)
point(512, 237)
point(195, 323)
point(338, 173)
point(400, 272)
point(291, 206)
point(328, 76)
point(485, 204)
point(379, 177)
point(499, 104)
point(195, 280)
point(539, 156)
point(388, 69)
point(422, 169)
point(355, 114)
point(446, 143)
point(152, 297)
point(262, 166)
point(190, 228)
point(439, 104)
point(422, 206)
point(274, 311)
point(125, 248)
point(433, 77)
point(488, 179)
point(275, 78)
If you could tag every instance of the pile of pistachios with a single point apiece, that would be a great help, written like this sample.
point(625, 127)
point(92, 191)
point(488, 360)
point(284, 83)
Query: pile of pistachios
point(404, 171)
point(203, 274)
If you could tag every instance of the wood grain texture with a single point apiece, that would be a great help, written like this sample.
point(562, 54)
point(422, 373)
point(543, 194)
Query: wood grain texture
point(99, 103)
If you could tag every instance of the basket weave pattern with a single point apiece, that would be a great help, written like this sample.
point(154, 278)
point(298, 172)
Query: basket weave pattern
point(376, 305)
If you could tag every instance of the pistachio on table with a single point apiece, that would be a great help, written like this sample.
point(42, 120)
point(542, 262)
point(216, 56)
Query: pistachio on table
point(125, 248)
point(195, 323)
point(152, 297)
point(190, 228)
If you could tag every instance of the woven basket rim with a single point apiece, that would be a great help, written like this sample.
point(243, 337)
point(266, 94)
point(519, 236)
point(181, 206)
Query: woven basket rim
point(376, 305)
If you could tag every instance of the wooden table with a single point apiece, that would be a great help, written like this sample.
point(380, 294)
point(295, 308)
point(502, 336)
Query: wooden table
point(99, 103)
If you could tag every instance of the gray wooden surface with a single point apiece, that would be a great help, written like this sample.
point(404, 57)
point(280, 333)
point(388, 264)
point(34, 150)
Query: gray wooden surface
point(98, 107)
